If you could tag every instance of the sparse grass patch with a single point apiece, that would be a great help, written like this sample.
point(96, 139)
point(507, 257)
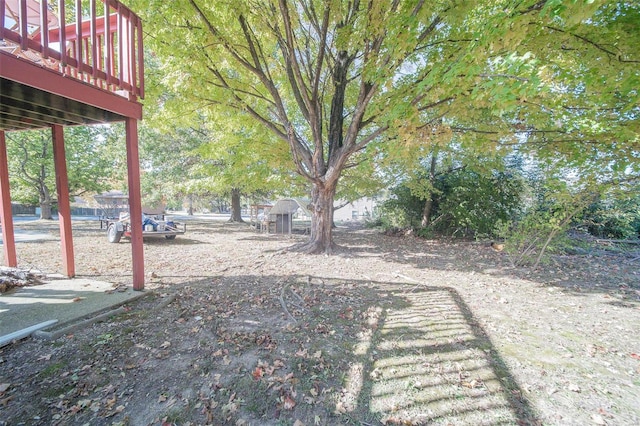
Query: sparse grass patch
point(176, 415)
point(53, 369)
point(206, 366)
point(55, 392)
point(260, 399)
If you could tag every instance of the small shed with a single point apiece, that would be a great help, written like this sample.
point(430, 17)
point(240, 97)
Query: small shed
point(281, 214)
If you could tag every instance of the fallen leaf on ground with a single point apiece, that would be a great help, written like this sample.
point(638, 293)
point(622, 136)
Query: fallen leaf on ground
point(257, 373)
point(472, 384)
point(288, 403)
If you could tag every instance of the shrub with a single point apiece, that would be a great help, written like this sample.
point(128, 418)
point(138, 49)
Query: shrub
point(473, 204)
point(617, 216)
point(466, 203)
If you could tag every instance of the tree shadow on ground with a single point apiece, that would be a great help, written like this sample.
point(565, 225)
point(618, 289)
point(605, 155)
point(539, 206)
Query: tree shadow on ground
point(180, 240)
point(428, 360)
point(401, 353)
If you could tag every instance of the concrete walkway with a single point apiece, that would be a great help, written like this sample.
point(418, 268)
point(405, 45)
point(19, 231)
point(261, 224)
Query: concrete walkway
point(23, 236)
point(64, 300)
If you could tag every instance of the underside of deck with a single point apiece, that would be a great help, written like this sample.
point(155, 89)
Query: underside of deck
point(35, 97)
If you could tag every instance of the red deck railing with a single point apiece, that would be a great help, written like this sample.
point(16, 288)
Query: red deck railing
point(95, 41)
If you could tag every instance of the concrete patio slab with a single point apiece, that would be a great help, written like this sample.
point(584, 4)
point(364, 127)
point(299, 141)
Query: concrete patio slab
point(64, 300)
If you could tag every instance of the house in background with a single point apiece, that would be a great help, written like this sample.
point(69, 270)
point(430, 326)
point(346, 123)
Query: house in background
point(359, 210)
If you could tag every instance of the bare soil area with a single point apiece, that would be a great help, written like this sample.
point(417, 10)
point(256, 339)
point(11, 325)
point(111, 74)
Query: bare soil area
point(390, 330)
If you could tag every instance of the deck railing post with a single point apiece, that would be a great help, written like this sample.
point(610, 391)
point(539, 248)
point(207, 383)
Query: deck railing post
point(106, 51)
point(62, 36)
point(24, 18)
point(119, 33)
point(108, 44)
point(44, 28)
point(79, 44)
point(94, 40)
point(2, 15)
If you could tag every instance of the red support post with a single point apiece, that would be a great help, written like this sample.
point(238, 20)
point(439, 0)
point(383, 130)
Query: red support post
point(6, 219)
point(135, 203)
point(64, 209)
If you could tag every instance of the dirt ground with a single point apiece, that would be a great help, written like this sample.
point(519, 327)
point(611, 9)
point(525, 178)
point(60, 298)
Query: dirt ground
point(391, 330)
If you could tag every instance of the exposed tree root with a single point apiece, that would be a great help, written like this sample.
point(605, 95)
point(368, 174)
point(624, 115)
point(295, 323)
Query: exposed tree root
point(236, 220)
point(314, 247)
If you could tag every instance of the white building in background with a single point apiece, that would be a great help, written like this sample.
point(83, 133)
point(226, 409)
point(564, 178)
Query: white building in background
point(360, 210)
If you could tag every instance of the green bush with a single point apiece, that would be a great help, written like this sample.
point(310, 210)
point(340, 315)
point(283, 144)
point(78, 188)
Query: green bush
point(466, 203)
point(542, 230)
point(402, 210)
point(617, 216)
point(539, 233)
point(472, 204)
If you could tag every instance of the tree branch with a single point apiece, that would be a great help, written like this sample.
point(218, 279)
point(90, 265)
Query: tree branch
point(494, 132)
point(598, 46)
point(296, 78)
point(366, 140)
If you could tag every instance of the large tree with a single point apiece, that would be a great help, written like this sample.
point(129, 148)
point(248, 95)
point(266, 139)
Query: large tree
point(91, 154)
point(330, 77)
point(244, 161)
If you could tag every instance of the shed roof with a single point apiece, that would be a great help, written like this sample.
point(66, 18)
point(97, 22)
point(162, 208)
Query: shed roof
point(112, 197)
point(288, 206)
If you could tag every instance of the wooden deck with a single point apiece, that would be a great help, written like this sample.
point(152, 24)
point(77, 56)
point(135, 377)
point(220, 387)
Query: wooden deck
point(103, 49)
point(64, 63)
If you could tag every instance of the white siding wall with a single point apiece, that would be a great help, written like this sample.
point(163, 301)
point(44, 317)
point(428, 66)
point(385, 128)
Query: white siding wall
point(358, 210)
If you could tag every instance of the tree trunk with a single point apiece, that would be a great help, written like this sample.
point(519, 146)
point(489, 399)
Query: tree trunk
point(190, 208)
point(45, 203)
point(426, 212)
point(45, 211)
point(236, 208)
point(428, 204)
point(321, 240)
